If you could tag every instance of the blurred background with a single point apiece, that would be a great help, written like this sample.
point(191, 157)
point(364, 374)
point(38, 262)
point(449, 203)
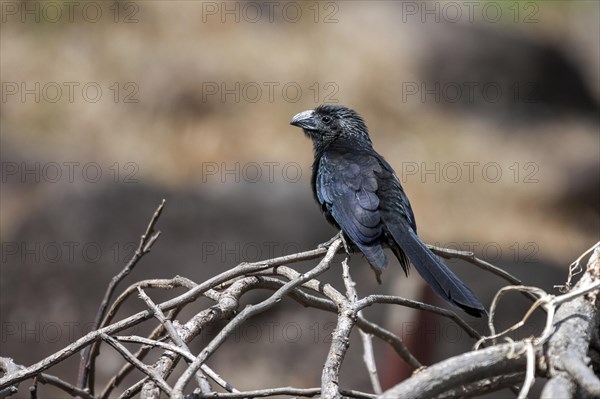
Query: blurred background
point(487, 110)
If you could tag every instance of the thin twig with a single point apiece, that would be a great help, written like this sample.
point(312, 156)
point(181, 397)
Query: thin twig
point(33, 389)
point(369, 359)
point(180, 342)
point(154, 343)
point(63, 385)
point(89, 354)
point(542, 299)
point(396, 300)
point(368, 355)
point(574, 269)
point(138, 364)
point(163, 320)
point(530, 373)
point(172, 283)
point(140, 354)
point(149, 390)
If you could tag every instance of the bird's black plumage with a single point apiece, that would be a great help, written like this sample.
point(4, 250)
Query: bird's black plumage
point(360, 193)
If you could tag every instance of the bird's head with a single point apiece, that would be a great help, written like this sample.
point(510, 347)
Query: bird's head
point(328, 122)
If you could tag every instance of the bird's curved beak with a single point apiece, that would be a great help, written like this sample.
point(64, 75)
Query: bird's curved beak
point(305, 120)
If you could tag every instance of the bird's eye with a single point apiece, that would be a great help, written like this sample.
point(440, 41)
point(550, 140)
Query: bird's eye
point(326, 119)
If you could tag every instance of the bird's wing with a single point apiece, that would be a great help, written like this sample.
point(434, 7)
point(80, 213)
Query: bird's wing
point(391, 189)
point(346, 187)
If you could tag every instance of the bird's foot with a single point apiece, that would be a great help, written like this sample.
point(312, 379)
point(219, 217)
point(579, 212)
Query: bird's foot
point(344, 243)
point(328, 243)
point(339, 235)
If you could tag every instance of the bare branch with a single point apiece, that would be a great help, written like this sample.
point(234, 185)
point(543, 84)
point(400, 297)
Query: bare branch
point(461, 370)
point(175, 282)
point(340, 338)
point(582, 374)
point(288, 391)
point(483, 386)
point(149, 391)
point(140, 354)
point(391, 338)
point(153, 343)
point(369, 359)
point(9, 367)
point(89, 354)
point(575, 269)
point(138, 364)
point(368, 355)
point(63, 385)
point(396, 300)
point(530, 373)
point(33, 389)
point(575, 324)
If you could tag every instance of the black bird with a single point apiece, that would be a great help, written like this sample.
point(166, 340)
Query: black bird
point(360, 194)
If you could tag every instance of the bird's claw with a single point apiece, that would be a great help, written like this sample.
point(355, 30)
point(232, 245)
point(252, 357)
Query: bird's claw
point(339, 235)
point(328, 243)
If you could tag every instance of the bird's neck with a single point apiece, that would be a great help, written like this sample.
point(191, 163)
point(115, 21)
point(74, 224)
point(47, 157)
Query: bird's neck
point(321, 146)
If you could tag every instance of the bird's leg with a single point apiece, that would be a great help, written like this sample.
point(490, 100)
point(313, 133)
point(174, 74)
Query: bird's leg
point(339, 235)
point(328, 243)
point(344, 243)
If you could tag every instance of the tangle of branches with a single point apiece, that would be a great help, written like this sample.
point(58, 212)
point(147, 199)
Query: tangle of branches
point(566, 353)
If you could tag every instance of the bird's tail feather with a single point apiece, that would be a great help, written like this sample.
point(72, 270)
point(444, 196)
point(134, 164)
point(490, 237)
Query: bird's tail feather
point(376, 258)
point(439, 277)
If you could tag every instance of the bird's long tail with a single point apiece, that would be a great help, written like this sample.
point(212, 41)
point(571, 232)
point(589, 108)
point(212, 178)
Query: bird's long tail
point(439, 277)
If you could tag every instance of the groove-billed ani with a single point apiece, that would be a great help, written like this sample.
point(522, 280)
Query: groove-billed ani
point(360, 193)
